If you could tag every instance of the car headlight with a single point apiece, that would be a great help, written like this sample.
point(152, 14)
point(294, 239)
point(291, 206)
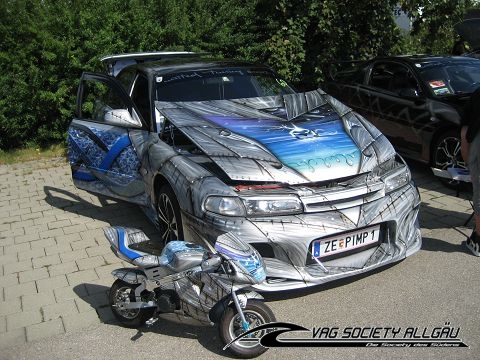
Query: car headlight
point(234, 206)
point(225, 205)
point(274, 206)
point(397, 178)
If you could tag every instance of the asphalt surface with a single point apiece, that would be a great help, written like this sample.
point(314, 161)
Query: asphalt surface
point(437, 288)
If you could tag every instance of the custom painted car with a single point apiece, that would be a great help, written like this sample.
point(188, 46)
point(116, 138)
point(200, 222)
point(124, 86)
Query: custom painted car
point(206, 147)
point(416, 101)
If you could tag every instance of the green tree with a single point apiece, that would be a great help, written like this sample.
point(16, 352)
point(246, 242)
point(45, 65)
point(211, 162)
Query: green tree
point(433, 23)
point(47, 44)
point(309, 35)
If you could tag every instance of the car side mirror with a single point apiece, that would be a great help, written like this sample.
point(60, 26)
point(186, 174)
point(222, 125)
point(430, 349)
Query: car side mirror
point(120, 117)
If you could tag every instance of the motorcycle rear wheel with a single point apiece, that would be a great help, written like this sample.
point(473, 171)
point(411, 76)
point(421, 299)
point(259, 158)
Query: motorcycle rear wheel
point(123, 292)
point(230, 326)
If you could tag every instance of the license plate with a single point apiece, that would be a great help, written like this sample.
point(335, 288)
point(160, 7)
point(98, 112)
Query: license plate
point(345, 242)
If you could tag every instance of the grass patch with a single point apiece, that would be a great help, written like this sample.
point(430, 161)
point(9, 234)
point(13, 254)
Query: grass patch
point(32, 153)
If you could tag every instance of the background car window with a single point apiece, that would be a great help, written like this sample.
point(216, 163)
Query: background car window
point(436, 79)
point(141, 98)
point(395, 78)
point(359, 76)
point(451, 79)
point(381, 76)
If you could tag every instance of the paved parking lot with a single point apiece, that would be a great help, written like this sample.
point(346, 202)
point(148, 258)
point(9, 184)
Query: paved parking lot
point(55, 263)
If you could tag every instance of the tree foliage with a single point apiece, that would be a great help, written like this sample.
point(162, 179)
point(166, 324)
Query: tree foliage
point(433, 23)
point(47, 44)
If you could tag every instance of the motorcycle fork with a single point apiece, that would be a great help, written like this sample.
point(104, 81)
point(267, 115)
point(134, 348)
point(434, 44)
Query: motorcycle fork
point(245, 324)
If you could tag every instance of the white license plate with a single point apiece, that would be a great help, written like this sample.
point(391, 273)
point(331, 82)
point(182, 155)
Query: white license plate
point(345, 242)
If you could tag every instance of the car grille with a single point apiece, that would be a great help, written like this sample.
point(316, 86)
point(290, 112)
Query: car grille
point(342, 197)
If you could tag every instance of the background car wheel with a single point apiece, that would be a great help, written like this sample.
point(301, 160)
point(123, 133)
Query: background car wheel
point(446, 154)
point(169, 216)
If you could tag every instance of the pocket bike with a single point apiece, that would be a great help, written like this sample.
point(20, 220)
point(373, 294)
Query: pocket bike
point(186, 283)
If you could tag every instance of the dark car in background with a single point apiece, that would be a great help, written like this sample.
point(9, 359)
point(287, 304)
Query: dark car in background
point(416, 101)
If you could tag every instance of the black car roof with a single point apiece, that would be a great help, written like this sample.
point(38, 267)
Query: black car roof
point(349, 69)
point(428, 59)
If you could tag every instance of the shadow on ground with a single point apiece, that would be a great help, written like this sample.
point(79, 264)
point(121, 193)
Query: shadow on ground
point(112, 211)
point(207, 336)
point(429, 244)
point(435, 217)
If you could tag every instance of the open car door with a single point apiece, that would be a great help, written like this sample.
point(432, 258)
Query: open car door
point(101, 155)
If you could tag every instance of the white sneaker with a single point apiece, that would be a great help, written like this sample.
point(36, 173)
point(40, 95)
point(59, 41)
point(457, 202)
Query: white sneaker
point(473, 243)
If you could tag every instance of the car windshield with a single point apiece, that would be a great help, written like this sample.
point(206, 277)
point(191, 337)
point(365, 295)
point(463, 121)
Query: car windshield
point(219, 84)
point(451, 79)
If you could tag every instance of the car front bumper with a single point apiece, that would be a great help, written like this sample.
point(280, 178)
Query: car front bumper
point(285, 242)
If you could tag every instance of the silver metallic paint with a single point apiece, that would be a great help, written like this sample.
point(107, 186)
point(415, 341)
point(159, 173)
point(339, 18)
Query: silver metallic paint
point(337, 208)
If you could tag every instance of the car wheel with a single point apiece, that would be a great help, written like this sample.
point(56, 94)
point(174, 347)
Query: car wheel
point(447, 154)
point(168, 214)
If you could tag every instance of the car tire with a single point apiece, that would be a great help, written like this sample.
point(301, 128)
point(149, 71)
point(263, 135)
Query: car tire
point(447, 154)
point(168, 215)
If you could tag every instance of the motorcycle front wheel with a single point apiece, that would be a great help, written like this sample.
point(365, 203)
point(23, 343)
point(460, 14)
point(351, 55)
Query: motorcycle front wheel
point(122, 292)
point(230, 326)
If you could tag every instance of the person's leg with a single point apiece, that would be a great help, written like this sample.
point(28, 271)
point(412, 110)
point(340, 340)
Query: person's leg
point(473, 243)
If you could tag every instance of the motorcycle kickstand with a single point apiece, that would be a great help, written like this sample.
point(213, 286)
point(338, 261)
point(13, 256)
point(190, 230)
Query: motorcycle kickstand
point(245, 324)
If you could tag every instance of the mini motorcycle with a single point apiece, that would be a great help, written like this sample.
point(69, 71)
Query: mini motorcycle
point(187, 283)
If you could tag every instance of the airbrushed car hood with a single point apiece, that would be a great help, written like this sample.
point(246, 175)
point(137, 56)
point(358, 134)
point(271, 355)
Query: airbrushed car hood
point(299, 138)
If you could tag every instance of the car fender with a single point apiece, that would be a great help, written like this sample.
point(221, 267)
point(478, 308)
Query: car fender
point(441, 111)
point(162, 164)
